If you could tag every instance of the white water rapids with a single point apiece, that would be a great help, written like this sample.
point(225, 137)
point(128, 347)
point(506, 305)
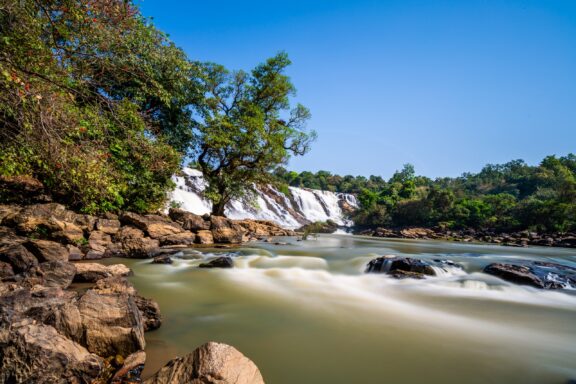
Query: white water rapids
point(306, 312)
point(303, 206)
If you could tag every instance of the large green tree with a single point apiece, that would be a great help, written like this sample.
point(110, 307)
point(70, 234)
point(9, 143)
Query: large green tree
point(94, 101)
point(246, 127)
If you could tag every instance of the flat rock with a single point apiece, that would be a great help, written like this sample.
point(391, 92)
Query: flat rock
point(211, 363)
point(153, 225)
point(92, 272)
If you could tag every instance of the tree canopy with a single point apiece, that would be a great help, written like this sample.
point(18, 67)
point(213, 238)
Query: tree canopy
point(245, 127)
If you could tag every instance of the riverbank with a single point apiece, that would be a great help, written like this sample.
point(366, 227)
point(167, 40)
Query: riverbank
point(514, 239)
point(67, 318)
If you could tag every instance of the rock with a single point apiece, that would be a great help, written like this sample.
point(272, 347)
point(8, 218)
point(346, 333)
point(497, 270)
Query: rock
point(99, 241)
point(92, 272)
point(155, 226)
point(115, 284)
point(63, 315)
point(8, 212)
point(67, 232)
point(518, 274)
point(150, 311)
point(74, 253)
point(219, 262)
point(204, 237)
point(5, 270)
point(131, 243)
point(164, 259)
point(210, 363)
point(189, 220)
point(131, 369)
point(232, 235)
point(538, 274)
point(259, 228)
point(37, 353)
point(108, 226)
point(400, 266)
point(319, 227)
point(184, 238)
point(112, 323)
point(46, 250)
point(22, 189)
point(18, 257)
point(94, 255)
point(57, 273)
point(417, 233)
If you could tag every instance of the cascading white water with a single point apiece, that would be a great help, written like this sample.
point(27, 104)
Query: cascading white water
point(302, 207)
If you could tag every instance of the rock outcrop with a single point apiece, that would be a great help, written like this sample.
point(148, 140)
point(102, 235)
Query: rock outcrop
point(210, 363)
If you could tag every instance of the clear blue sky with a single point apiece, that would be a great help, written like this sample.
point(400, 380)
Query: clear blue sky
point(445, 85)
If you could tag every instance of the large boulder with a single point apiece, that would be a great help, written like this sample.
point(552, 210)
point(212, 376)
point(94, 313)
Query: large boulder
point(57, 273)
point(155, 226)
point(99, 241)
point(189, 220)
point(225, 231)
point(20, 258)
point(131, 243)
point(112, 323)
point(184, 238)
point(400, 267)
point(539, 274)
point(204, 237)
point(150, 311)
point(210, 363)
point(37, 353)
point(46, 250)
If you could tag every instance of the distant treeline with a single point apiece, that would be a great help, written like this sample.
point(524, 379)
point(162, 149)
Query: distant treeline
point(506, 197)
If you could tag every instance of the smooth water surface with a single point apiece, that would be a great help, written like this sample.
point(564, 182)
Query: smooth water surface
point(306, 313)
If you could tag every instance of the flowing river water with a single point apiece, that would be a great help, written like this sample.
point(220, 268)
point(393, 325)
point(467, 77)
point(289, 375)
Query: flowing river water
point(306, 313)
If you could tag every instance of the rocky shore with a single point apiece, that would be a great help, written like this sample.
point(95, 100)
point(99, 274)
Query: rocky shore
point(516, 239)
point(65, 318)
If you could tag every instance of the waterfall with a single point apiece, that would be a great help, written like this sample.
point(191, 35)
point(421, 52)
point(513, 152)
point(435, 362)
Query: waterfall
point(302, 206)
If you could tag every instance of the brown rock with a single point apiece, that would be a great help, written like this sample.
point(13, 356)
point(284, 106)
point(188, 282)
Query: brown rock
point(189, 220)
point(228, 235)
point(46, 250)
point(184, 238)
point(108, 226)
point(150, 311)
point(204, 237)
point(99, 241)
point(57, 273)
point(8, 212)
point(37, 353)
point(74, 253)
point(155, 226)
point(92, 272)
point(210, 363)
point(5, 270)
point(18, 257)
point(219, 262)
point(112, 324)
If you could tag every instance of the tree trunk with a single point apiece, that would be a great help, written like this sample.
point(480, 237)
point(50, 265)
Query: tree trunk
point(218, 209)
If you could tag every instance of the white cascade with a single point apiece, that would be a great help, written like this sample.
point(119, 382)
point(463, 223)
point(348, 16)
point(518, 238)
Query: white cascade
point(302, 207)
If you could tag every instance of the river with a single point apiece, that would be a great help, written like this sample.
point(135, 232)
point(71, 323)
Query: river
point(305, 312)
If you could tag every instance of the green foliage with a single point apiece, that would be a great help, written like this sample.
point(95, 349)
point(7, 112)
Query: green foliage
point(506, 197)
point(93, 102)
point(245, 127)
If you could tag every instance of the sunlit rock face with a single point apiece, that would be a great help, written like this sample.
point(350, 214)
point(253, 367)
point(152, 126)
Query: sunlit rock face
point(301, 207)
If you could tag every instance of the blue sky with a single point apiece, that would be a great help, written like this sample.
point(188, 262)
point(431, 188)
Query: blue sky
point(445, 85)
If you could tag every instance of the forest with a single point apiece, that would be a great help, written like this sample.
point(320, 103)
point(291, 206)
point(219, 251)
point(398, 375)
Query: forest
point(506, 197)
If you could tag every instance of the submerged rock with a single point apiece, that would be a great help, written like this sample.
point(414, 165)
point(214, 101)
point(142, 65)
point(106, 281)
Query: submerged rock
point(210, 363)
point(539, 275)
point(219, 262)
point(400, 267)
point(164, 259)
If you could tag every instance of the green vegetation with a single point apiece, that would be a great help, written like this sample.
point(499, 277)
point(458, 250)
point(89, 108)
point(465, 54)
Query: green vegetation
point(508, 197)
point(246, 127)
point(102, 108)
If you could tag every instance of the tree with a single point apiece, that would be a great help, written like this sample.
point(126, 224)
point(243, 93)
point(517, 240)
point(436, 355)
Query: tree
point(93, 101)
point(246, 127)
